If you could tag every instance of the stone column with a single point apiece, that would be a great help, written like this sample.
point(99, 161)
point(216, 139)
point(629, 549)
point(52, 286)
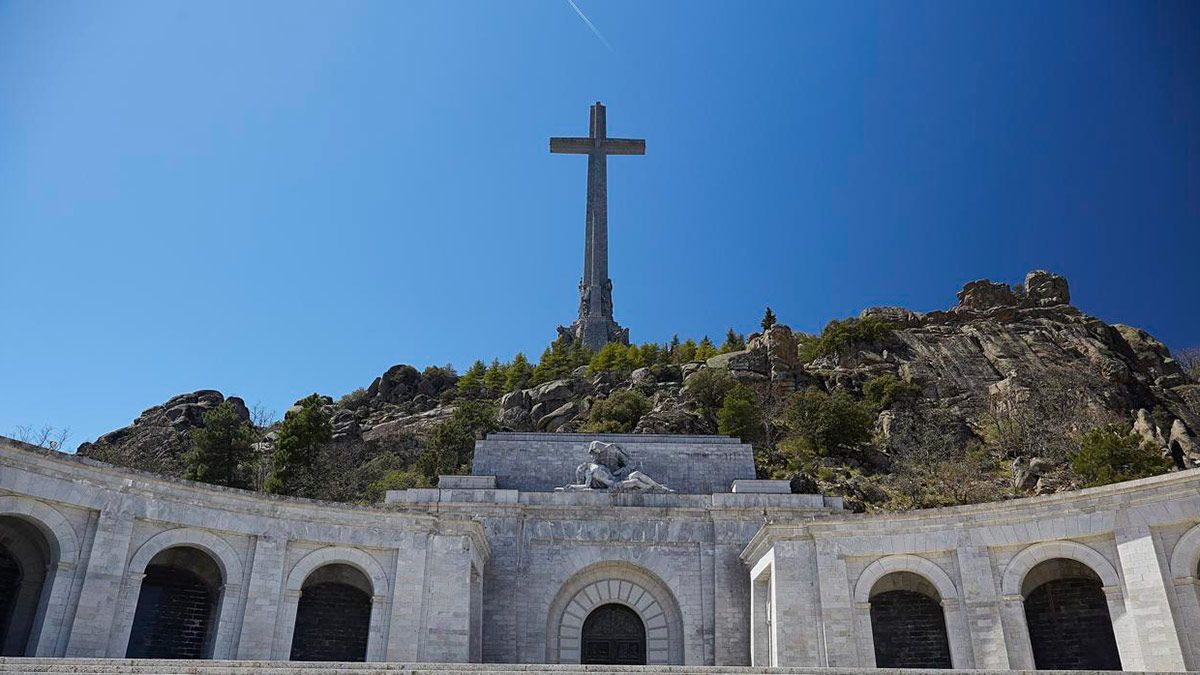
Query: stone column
point(1124, 629)
point(408, 598)
point(106, 560)
point(981, 608)
point(1016, 632)
point(1187, 599)
point(263, 598)
point(126, 609)
point(837, 614)
point(1149, 596)
point(447, 605)
point(53, 634)
point(795, 605)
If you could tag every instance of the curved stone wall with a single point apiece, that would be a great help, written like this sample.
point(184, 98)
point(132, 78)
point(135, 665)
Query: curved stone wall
point(477, 573)
point(101, 526)
point(1138, 542)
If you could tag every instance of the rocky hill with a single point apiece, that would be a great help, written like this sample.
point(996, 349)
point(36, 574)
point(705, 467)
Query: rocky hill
point(1013, 374)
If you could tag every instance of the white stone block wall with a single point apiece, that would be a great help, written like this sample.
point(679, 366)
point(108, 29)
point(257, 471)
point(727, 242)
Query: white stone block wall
point(103, 525)
point(1141, 538)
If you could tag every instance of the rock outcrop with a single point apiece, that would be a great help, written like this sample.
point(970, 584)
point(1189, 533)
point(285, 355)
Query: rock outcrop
point(999, 342)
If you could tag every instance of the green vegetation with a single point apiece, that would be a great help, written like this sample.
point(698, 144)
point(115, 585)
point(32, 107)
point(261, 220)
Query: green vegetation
point(471, 385)
point(884, 391)
point(301, 435)
point(518, 374)
point(617, 414)
point(220, 449)
point(839, 335)
point(1112, 453)
point(734, 342)
point(451, 443)
point(616, 358)
point(396, 479)
point(768, 320)
point(829, 424)
point(708, 387)
point(559, 360)
point(740, 414)
point(705, 350)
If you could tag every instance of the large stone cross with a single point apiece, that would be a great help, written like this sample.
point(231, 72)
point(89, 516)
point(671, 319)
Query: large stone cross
point(595, 326)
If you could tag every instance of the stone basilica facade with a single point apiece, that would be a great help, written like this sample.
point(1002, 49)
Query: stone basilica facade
point(659, 550)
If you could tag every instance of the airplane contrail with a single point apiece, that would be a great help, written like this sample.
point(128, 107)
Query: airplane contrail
point(590, 24)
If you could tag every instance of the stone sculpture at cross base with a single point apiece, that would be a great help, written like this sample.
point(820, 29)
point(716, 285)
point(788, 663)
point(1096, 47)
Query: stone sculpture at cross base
point(611, 468)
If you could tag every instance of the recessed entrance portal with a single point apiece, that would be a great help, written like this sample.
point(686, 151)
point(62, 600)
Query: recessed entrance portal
point(614, 634)
point(25, 559)
point(1067, 613)
point(333, 617)
point(177, 606)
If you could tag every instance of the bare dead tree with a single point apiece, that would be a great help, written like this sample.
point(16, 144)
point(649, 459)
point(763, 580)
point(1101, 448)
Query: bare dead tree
point(48, 437)
point(1045, 417)
point(1189, 359)
point(261, 419)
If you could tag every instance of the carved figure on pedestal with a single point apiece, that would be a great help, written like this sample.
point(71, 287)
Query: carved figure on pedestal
point(611, 468)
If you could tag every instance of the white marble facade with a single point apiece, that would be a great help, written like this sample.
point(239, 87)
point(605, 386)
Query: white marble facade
point(479, 570)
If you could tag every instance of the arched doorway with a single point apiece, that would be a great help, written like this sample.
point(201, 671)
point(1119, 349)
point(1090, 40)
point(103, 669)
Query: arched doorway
point(25, 561)
point(613, 634)
point(908, 625)
point(1067, 614)
point(177, 606)
point(333, 616)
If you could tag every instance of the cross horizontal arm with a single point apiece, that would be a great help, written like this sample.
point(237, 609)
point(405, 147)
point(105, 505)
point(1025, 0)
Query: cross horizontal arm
point(610, 146)
point(572, 146)
point(624, 146)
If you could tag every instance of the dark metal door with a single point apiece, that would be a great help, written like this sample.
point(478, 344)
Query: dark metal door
point(614, 634)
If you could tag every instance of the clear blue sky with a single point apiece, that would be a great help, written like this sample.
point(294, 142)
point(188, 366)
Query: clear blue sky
point(276, 198)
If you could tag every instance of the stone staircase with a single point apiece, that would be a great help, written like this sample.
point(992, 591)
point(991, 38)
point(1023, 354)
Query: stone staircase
point(77, 666)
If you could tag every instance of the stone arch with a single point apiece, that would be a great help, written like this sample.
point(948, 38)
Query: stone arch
point(1065, 590)
point(331, 555)
point(622, 583)
point(930, 581)
point(917, 565)
point(52, 523)
point(41, 619)
point(178, 600)
point(223, 554)
point(229, 595)
point(1185, 558)
point(1019, 566)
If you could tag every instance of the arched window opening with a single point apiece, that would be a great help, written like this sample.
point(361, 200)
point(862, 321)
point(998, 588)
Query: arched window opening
point(177, 606)
point(1067, 614)
point(333, 616)
point(26, 563)
point(908, 625)
point(614, 634)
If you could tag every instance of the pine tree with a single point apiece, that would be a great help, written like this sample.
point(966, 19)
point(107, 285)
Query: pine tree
point(301, 435)
point(470, 384)
point(740, 414)
point(734, 342)
point(494, 378)
point(705, 350)
point(768, 320)
point(220, 447)
point(519, 373)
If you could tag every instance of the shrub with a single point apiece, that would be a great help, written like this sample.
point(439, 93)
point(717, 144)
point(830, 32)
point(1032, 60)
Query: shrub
point(1111, 454)
point(395, 480)
point(842, 334)
point(885, 390)
point(828, 423)
point(354, 399)
point(740, 414)
point(619, 413)
point(708, 387)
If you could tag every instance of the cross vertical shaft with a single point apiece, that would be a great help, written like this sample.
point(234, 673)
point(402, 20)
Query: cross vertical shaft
point(595, 326)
